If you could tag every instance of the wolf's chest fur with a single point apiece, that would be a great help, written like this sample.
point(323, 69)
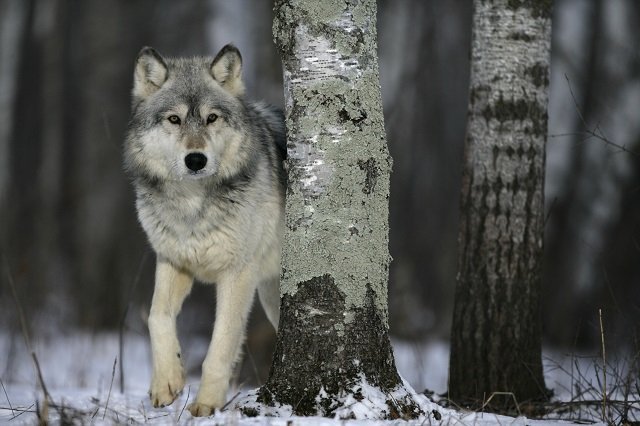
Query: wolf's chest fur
point(196, 229)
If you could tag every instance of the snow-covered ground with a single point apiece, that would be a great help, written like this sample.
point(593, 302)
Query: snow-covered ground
point(78, 371)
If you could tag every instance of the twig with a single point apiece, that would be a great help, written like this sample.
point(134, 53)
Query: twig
point(6, 395)
point(42, 412)
point(597, 131)
point(25, 331)
point(515, 401)
point(224, 407)
point(113, 374)
point(144, 412)
point(604, 370)
point(589, 396)
point(129, 419)
point(627, 387)
point(95, 413)
point(185, 403)
point(573, 360)
point(124, 318)
point(21, 411)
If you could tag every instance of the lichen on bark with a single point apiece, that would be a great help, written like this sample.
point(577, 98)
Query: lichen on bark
point(334, 124)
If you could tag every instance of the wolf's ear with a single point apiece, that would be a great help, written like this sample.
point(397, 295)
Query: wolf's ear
point(150, 73)
point(226, 69)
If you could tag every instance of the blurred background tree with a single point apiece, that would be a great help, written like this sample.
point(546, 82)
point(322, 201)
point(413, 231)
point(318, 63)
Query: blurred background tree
point(68, 229)
point(496, 342)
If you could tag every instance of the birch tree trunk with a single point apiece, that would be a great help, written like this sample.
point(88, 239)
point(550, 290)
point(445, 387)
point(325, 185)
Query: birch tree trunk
point(333, 343)
point(496, 343)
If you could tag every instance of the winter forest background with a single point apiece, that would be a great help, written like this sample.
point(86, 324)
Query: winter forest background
point(68, 233)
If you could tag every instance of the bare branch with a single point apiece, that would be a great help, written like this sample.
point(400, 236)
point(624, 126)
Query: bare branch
point(596, 132)
point(113, 374)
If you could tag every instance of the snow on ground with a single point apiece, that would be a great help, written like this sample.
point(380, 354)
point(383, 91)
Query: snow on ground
point(78, 371)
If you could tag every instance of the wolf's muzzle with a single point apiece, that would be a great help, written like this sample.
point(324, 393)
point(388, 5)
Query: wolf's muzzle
point(195, 161)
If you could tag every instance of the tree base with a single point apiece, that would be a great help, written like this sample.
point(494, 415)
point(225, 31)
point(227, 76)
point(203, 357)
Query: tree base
point(362, 401)
point(330, 356)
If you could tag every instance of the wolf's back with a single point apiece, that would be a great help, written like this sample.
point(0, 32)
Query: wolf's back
point(272, 118)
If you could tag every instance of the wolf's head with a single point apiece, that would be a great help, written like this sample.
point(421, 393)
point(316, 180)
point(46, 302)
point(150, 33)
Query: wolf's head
point(188, 117)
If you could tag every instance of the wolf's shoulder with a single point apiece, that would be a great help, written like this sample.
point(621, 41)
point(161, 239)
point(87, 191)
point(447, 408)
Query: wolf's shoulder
point(272, 117)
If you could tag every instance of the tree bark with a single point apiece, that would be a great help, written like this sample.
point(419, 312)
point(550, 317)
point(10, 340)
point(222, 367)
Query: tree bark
point(333, 344)
point(496, 342)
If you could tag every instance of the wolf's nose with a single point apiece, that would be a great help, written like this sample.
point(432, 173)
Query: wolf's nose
point(195, 161)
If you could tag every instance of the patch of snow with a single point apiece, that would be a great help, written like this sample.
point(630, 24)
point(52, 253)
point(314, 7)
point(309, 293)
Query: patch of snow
point(365, 404)
point(77, 370)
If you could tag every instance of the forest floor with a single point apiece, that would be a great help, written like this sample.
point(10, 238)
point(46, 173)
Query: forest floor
point(82, 375)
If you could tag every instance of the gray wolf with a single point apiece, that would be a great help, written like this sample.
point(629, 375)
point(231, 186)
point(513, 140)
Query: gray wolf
point(207, 169)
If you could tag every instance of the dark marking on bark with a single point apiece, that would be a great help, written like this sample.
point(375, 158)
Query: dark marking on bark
point(538, 8)
point(520, 36)
point(344, 116)
point(478, 93)
point(505, 110)
point(539, 74)
point(371, 169)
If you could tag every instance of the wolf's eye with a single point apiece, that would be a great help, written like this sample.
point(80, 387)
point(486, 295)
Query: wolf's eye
point(174, 119)
point(211, 118)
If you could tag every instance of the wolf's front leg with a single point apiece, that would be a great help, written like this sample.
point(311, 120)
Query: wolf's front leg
point(234, 299)
point(172, 286)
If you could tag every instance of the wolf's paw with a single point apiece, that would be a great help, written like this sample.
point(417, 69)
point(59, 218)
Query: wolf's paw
point(165, 388)
point(211, 395)
point(198, 409)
